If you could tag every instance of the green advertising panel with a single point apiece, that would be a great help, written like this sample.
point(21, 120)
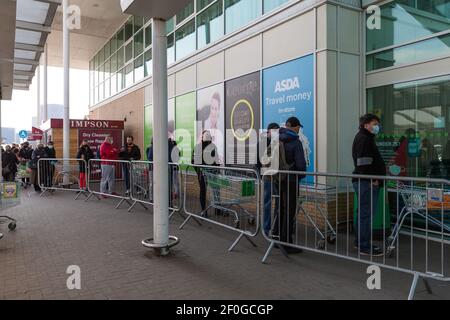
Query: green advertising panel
point(185, 123)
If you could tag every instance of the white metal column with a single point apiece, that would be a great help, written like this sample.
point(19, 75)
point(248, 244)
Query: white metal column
point(66, 65)
point(38, 95)
point(1, 140)
point(45, 102)
point(160, 138)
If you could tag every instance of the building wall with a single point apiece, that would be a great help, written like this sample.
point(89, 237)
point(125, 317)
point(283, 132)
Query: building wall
point(329, 31)
point(129, 108)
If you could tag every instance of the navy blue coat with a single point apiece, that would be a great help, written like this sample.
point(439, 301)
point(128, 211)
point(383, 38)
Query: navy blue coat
point(295, 156)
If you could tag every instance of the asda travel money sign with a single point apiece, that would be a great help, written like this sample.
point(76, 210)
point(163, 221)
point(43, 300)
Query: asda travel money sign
point(288, 90)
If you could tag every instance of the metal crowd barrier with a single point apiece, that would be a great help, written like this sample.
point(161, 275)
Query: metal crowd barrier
point(315, 212)
point(62, 175)
point(142, 191)
point(110, 179)
point(227, 197)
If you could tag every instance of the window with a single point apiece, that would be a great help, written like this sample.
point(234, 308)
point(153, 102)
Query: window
point(138, 43)
point(114, 65)
point(415, 117)
point(129, 29)
point(121, 79)
point(101, 92)
point(120, 37)
point(148, 63)
point(148, 35)
point(107, 69)
point(185, 40)
point(101, 56)
point(129, 51)
point(170, 25)
point(408, 20)
point(420, 51)
point(185, 13)
point(113, 44)
point(107, 88)
point(139, 68)
point(201, 4)
point(129, 75)
point(240, 12)
point(270, 5)
point(138, 23)
point(120, 58)
point(114, 84)
point(170, 49)
point(107, 50)
point(210, 25)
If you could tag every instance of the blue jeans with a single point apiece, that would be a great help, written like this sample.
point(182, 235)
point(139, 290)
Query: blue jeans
point(126, 174)
point(268, 193)
point(367, 196)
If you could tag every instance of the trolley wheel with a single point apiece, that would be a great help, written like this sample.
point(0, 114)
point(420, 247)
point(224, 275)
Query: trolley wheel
point(237, 223)
point(321, 244)
point(12, 226)
point(251, 221)
point(390, 251)
point(331, 239)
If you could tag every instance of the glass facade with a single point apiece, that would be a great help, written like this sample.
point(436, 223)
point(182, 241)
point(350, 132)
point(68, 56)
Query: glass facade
point(411, 31)
point(415, 116)
point(127, 57)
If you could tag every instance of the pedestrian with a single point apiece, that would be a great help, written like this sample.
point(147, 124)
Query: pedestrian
point(84, 154)
point(9, 164)
point(129, 152)
point(49, 171)
point(108, 153)
point(25, 155)
point(367, 161)
point(205, 154)
point(292, 159)
point(38, 153)
point(270, 181)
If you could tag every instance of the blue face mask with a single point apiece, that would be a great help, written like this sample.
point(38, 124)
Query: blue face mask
point(376, 129)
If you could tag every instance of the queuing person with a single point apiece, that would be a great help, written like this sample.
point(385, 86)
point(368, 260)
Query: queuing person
point(129, 152)
point(270, 181)
point(38, 153)
point(49, 166)
point(174, 156)
point(205, 154)
point(84, 153)
point(9, 164)
point(294, 160)
point(25, 155)
point(110, 153)
point(367, 161)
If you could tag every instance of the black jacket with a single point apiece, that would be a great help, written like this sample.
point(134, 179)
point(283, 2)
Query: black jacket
point(294, 153)
point(86, 154)
point(366, 156)
point(51, 153)
point(37, 154)
point(26, 153)
point(172, 146)
point(133, 154)
point(10, 160)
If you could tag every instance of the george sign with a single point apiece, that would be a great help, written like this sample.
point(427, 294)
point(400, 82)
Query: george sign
point(288, 90)
point(23, 134)
point(242, 118)
point(35, 130)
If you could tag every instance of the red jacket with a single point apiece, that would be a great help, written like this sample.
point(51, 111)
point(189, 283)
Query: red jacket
point(108, 152)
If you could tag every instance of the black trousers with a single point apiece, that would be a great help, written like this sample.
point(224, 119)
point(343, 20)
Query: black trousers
point(284, 226)
point(202, 184)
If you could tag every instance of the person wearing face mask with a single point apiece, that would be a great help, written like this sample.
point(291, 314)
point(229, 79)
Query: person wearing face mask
point(50, 166)
point(129, 152)
point(38, 153)
point(84, 153)
point(367, 161)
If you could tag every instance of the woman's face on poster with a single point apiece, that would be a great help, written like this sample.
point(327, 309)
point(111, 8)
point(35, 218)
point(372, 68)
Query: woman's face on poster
point(214, 113)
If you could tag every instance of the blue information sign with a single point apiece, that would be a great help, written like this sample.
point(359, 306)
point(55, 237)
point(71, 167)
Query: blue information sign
point(288, 90)
point(23, 134)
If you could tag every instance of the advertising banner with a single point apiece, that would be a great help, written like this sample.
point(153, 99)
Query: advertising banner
point(211, 116)
point(288, 90)
point(243, 118)
point(185, 122)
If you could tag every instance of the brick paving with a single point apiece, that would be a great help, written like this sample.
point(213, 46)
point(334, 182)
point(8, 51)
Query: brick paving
point(57, 231)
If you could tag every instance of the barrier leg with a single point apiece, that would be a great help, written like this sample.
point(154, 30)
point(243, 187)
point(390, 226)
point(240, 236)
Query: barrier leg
point(235, 242)
point(90, 196)
point(81, 193)
point(269, 250)
point(44, 191)
point(122, 201)
point(412, 291)
point(427, 286)
point(185, 221)
point(132, 206)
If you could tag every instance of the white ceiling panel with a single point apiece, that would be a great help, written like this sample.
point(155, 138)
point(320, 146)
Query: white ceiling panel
point(32, 11)
point(23, 54)
point(28, 37)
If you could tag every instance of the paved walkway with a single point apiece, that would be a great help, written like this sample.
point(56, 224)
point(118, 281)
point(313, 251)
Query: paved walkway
point(56, 231)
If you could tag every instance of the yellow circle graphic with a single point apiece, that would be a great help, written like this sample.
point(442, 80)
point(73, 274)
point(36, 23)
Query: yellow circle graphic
point(249, 131)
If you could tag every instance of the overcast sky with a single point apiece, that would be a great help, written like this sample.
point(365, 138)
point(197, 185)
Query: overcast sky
point(18, 112)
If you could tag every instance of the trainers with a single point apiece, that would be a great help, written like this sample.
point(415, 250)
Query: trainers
point(375, 252)
point(1, 236)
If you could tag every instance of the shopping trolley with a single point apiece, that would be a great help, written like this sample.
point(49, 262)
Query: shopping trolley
point(23, 175)
point(319, 194)
point(229, 191)
point(419, 201)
